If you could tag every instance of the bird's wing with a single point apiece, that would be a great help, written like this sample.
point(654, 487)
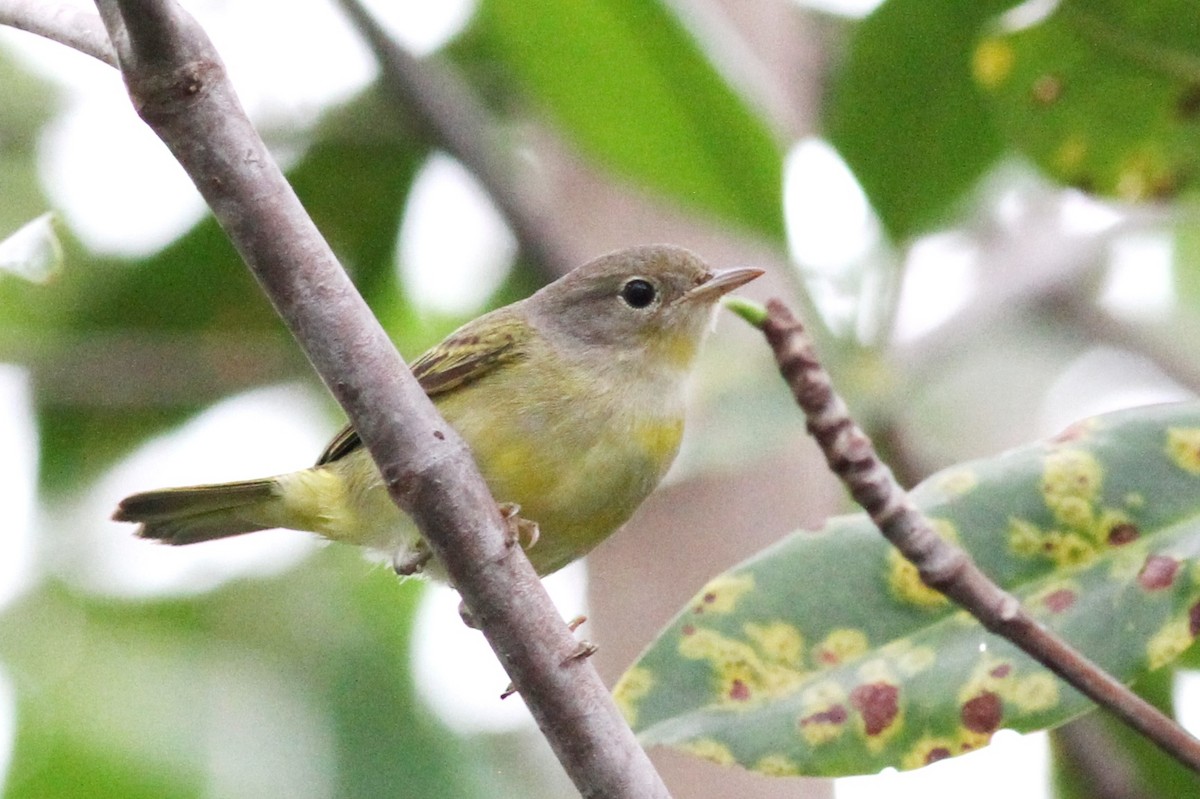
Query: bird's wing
point(466, 355)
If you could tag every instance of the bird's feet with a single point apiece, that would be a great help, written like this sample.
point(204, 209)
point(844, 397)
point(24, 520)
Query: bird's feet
point(583, 649)
point(519, 529)
point(408, 562)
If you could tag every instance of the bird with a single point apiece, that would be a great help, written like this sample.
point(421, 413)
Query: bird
point(571, 402)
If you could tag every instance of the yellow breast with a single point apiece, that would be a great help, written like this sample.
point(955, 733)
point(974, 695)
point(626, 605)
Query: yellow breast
point(577, 456)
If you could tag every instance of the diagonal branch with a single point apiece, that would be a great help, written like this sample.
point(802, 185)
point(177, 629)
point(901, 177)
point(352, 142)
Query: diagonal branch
point(942, 566)
point(65, 24)
point(178, 85)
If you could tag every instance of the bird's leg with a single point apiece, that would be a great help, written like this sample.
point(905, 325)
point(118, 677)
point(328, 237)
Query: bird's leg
point(519, 528)
point(411, 561)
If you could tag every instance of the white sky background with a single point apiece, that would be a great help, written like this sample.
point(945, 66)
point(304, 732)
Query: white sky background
point(120, 191)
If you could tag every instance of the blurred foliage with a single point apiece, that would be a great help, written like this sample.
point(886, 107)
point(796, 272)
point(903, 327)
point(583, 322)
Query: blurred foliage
point(1102, 95)
point(873, 669)
point(631, 88)
point(256, 687)
point(913, 156)
point(305, 673)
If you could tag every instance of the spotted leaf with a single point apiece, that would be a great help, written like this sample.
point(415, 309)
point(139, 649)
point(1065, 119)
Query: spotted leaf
point(1102, 95)
point(825, 655)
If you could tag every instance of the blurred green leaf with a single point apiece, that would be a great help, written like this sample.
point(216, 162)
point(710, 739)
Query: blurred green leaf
point(293, 686)
point(826, 655)
point(28, 104)
point(120, 350)
point(633, 90)
point(1102, 94)
point(904, 114)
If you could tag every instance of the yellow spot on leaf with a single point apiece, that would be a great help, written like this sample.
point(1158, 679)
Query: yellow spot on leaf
point(1069, 156)
point(1036, 692)
point(721, 595)
point(1074, 513)
point(778, 765)
point(926, 750)
point(629, 690)
point(911, 660)
point(779, 642)
point(992, 63)
point(708, 749)
point(839, 646)
point(1141, 174)
point(1168, 643)
point(1025, 539)
point(824, 713)
point(957, 482)
point(904, 580)
point(1183, 448)
point(1070, 476)
point(741, 676)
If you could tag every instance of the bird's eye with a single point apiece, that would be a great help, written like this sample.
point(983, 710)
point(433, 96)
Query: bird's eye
point(638, 293)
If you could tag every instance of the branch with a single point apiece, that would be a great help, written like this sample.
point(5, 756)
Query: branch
point(942, 566)
point(61, 23)
point(178, 85)
point(454, 119)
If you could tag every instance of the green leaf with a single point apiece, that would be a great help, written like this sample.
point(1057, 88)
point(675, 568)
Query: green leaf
point(634, 91)
point(826, 655)
point(1102, 94)
point(259, 688)
point(904, 114)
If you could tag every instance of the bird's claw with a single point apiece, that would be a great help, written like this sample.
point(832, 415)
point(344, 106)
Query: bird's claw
point(583, 650)
point(519, 528)
point(409, 562)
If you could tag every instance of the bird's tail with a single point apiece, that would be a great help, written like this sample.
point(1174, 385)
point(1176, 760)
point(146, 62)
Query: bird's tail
point(189, 515)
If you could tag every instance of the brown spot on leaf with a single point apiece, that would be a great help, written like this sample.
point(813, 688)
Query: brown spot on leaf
point(1194, 619)
point(688, 629)
point(1060, 600)
point(1164, 187)
point(835, 714)
point(935, 754)
point(982, 713)
point(710, 598)
point(1187, 105)
point(1124, 533)
point(1158, 572)
point(1047, 89)
point(1001, 671)
point(877, 702)
point(739, 691)
point(1085, 183)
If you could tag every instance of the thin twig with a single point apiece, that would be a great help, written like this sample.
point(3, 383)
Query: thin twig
point(78, 29)
point(178, 85)
point(1171, 354)
point(454, 119)
point(943, 566)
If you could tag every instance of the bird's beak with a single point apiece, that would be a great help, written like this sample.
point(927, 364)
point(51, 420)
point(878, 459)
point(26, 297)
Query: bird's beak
point(721, 283)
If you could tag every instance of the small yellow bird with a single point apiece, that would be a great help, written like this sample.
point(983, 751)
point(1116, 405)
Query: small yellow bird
point(571, 402)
